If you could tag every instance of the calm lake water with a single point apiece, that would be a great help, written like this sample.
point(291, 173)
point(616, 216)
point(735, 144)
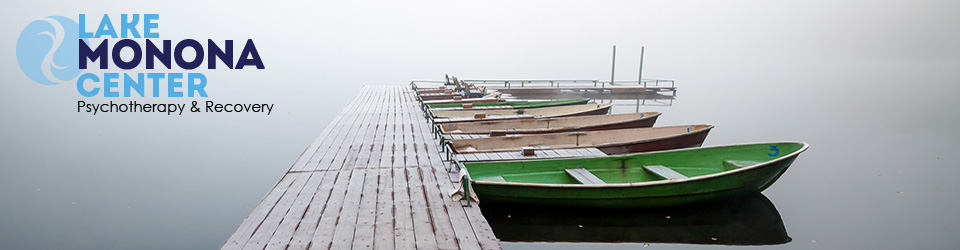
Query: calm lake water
point(872, 86)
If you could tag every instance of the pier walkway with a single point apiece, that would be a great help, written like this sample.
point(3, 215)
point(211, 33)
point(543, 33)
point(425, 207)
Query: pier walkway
point(373, 179)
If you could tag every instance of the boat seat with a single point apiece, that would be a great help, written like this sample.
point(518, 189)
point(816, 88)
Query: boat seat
point(665, 172)
point(584, 176)
point(731, 165)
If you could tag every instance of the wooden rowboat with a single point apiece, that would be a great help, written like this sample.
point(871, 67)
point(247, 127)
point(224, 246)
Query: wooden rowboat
point(515, 104)
point(656, 179)
point(464, 100)
point(611, 142)
point(439, 96)
point(559, 111)
point(554, 125)
point(443, 90)
point(433, 91)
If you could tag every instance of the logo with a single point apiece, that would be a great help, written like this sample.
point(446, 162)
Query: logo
point(57, 49)
point(47, 50)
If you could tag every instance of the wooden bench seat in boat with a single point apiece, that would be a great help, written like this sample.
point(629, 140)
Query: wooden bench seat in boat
point(731, 165)
point(664, 172)
point(498, 178)
point(584, 176)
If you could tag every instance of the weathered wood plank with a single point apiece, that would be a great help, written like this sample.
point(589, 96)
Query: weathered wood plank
point(303, 235)
point(403, 218)
point(584, 176)
point(323, 235)
point(473, 229)
point(445, 235)
point(348, 116)
point(366, 216)
point(462, 230)
point(347, 223)
point(665, 172)
point(269, 225)
point(422, 224)
point(383, 228)
point(284, 232)
point(324, 139)
point(247, 227)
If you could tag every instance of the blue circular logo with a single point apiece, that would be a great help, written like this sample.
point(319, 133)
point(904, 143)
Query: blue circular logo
point(48, 52)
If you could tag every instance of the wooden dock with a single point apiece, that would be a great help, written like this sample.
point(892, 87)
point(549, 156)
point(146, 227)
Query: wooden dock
point(373, 179)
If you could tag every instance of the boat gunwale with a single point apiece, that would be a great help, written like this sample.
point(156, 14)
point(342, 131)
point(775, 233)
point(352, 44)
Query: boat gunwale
point(509, 117)
point(653, 183)
point(451, 101)
point(601, 106)
point(551, 103)
point(562, 129)
point(706, 129)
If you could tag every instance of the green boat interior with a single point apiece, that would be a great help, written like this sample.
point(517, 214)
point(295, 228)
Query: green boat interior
point(643, 167)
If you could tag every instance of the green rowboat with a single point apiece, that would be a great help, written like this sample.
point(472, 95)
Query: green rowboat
point(657, 179)
point(515, 104)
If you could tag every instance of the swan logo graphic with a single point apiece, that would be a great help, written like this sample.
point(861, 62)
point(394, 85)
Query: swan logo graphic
point(47, 50)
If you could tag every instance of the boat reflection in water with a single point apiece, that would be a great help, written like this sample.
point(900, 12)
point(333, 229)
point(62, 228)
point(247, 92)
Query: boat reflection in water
point(745, 220)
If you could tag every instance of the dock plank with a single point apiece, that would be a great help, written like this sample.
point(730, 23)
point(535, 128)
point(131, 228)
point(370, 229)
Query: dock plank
point(383, 228)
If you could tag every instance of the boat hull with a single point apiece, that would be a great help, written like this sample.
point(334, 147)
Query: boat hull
point(461, 101)
point(645, 121)
point(685, 141)
point(623, 141)
point(431, 91)
point(603, 110)
point(709, 174)
point(439, 96)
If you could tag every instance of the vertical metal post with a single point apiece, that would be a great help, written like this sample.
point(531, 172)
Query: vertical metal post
point(466, 188)
point(640, 76)
point(613, 67)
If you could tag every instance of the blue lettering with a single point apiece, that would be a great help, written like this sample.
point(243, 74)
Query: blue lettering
point(109, 83)
point(83, 27)
point(129, 26)
point(129, 83)
point(196, 87)
point(156, 77)
point(150, 23)
point(106, 28)
point(83, 78)
point(173, 83)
